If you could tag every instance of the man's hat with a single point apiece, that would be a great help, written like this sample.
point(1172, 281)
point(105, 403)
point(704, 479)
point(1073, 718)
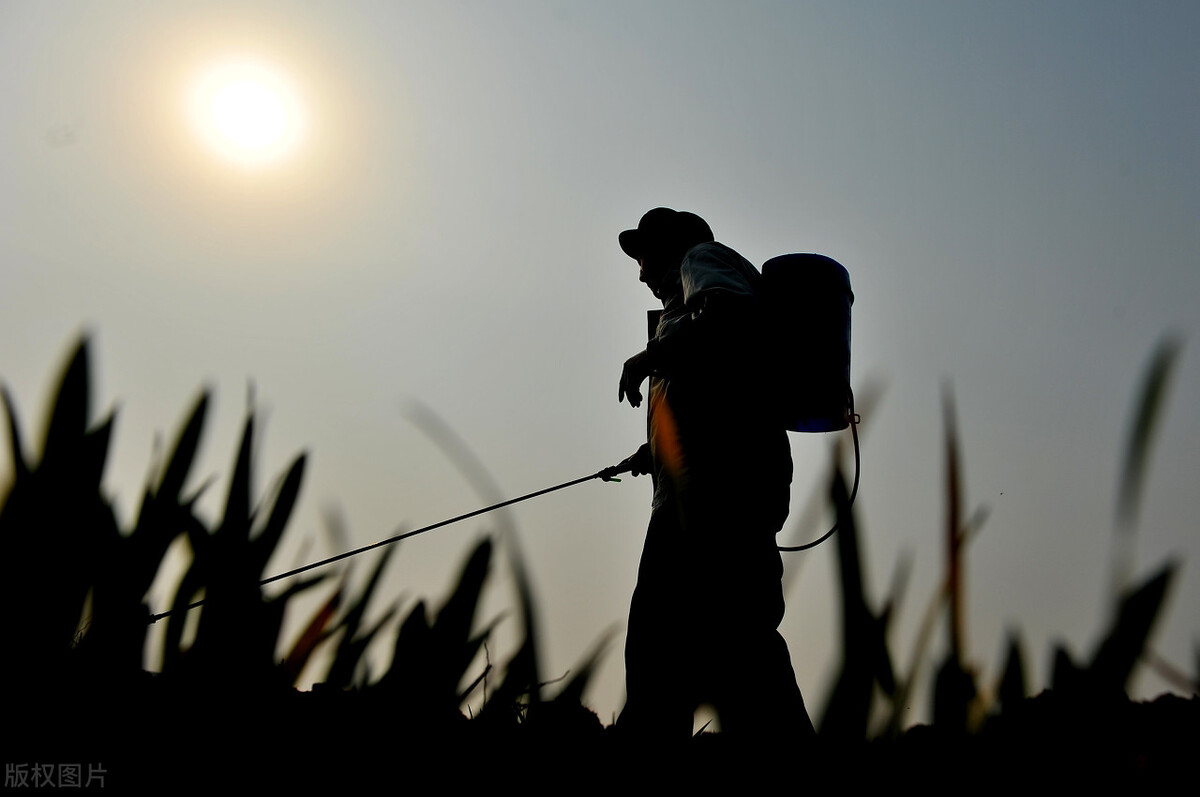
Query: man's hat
point(665, 228)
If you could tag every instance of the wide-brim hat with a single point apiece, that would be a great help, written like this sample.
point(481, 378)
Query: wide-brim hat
point(664, 228)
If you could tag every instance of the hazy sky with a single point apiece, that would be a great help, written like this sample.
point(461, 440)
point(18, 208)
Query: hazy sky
point(1014, 188)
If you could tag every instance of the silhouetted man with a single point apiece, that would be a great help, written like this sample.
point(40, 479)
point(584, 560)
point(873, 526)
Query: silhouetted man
point(708, 601)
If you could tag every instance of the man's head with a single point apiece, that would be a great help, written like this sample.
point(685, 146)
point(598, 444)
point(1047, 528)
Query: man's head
point(661, 239)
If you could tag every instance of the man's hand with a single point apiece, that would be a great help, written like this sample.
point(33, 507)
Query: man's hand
point(636, 369)
point(638, 463)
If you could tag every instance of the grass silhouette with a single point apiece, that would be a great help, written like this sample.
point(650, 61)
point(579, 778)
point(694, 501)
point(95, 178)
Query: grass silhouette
point(224, 708)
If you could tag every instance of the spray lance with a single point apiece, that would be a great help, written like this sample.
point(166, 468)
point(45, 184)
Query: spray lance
point(607, 474)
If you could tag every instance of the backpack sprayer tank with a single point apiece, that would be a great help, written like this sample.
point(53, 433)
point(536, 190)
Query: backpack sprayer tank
point(809, 298)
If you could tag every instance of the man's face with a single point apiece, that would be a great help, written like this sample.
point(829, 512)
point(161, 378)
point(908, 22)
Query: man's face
point(646, 276)
point(651, 270)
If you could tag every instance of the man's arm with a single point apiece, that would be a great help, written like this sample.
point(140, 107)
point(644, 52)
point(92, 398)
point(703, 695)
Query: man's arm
point(719, 295)
point(635, 371)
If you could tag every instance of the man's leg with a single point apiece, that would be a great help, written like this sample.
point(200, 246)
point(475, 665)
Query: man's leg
point(659, 702)
point(754, 685)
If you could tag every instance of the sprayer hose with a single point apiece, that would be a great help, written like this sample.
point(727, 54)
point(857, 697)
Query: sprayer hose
point(853, 491)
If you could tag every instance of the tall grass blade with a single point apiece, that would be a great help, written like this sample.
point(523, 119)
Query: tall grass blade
point(164, 513)
point(452, 647)
point(865, 659)
point(311, 637)
point(1143, 426)
point(179, 461)
point(353, 644)
point(1115, 659)
point(350, 653)
point(582, 675)
point(528, 612)
point(94, 451)
point(1065, 674)
point(69, 418)
point(410, 660)
point(522, 683)
point(953, 538)
point(954, 686)
point(20, 467)
point(463, 459)
point(898, 588)
point(285, 501)
point(237, 504)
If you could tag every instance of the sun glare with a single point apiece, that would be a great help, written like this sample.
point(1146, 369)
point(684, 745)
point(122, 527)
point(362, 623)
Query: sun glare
point(247, 113)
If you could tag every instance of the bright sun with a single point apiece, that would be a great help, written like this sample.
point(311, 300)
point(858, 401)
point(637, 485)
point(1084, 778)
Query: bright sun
point(248, 113)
